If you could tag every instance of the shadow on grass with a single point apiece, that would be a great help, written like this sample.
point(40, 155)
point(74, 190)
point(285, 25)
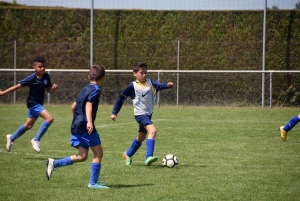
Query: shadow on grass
point(128, 185)
point(178, 167)
point(153, 166)
point(192, 165)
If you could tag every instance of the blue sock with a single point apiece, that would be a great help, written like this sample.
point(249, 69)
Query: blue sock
point(150, 147)
point(134, 147)
point(62, 162)
point(44, 127)
point(20, 131)
point(95, 172)
point(291, 124)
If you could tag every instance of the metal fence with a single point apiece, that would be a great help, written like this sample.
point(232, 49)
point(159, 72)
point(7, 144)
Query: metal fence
point(191, 88)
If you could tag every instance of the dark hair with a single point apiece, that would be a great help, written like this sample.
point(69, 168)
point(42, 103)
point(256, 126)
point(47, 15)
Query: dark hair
point(138, 66)
point(39, 59)
point(96, 72)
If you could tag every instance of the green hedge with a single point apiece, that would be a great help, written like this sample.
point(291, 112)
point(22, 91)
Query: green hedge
point(209, 40)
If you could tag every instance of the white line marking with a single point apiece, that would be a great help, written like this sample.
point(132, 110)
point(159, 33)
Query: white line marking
point(126, 123)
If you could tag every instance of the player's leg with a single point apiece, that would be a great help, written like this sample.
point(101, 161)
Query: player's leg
point(19, 132)
point(95, 168)
point(76, 140)
point(291, 124)
point(146, 126)
point(137, 142)
point(51, 163)
point(48, 119)
point(150, 144)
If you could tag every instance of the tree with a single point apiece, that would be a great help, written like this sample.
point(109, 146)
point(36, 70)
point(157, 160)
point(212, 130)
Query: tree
point(297, 5)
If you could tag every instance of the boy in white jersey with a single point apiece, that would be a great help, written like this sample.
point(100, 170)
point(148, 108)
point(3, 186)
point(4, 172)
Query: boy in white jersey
point(142, 92)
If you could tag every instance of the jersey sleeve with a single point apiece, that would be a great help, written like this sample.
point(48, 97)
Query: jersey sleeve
point(159, 86)
point(129, 91)
point(94, 96)
point(27, 81)
point(48, 80)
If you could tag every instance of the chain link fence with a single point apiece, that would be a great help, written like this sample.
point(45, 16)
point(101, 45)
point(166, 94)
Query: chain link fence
point(197, 88)
point(190, 88)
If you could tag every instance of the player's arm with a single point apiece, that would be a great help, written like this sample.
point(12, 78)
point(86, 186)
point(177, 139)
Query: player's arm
point(170, 84)
point(10, 89)
point(159, 86)
point(88, 112)
point(53, 88)
point(73, 107)
point(129, 91)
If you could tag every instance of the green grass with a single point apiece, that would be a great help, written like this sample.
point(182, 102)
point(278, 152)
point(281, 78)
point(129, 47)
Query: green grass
point(224, 154)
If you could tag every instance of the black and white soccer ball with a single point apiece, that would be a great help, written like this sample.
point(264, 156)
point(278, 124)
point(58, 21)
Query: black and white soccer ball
point(170, 161)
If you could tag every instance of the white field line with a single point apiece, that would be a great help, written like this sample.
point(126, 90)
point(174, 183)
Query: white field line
point(126, 123)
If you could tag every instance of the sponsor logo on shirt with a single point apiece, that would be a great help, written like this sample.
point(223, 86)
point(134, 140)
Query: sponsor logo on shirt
point(143, 95)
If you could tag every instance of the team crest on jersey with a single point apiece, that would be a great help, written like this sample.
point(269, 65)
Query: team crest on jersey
point(45, 82)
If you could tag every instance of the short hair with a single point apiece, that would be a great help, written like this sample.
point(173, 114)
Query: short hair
point(39, 59)
point(138, 66)
point(96, 72)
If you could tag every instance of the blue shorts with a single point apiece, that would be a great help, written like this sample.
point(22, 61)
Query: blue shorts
point(35, 111)
point(85, 140)
point(143, 120)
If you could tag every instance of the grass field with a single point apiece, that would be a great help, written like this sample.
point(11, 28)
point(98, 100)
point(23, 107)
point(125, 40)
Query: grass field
point(224, 154)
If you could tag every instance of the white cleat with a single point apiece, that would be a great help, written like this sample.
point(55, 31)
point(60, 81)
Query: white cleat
point(9, 143)
point(36, 145)
point(49, 167)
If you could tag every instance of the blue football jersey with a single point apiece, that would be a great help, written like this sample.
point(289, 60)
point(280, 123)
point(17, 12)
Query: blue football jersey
point(37, 87)
point(90, 93)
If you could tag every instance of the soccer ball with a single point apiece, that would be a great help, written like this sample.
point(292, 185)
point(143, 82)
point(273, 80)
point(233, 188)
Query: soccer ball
point(170, 161)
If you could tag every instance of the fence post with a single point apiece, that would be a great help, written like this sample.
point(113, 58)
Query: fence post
point(158, 94)
point(271, 90)
point(177, 88)
point(48, 95)
point(91, 34)
point(263, 56)
point(15, 67)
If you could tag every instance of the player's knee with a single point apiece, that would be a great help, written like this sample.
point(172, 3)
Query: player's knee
point(82, 158)
point(28, 127)
point(50, 120)
point(98, 159)
point(152, 133)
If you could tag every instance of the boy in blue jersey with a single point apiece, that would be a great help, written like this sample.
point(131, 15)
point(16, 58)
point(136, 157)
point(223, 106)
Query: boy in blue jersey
point(291, 124)
point(142, 92)
point(38, 82)
point(83, 132)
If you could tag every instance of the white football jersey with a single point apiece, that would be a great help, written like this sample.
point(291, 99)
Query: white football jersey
point(144, 100)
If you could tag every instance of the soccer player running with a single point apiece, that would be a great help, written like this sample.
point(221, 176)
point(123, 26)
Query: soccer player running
point(142, 92)
point(83, 132)
point(38, 82)
point(291, 124)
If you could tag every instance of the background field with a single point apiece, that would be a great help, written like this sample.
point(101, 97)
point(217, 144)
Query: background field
point(224, 154)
